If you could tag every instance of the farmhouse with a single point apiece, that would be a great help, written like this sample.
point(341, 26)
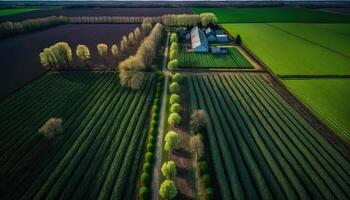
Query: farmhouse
point(199, 40)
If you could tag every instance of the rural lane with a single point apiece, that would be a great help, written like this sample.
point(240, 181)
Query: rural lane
point(159, 148)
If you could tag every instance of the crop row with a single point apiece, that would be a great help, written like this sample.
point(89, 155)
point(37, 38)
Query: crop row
point(99, 153)
point(260, 146)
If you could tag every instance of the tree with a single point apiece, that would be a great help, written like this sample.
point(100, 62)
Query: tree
point(169, 170)
point(177, 77)
point(173, 54)
point(238, 39)
point(175, 108)
point(174, 88)
point(174, 46)
point(52, 127)
point(207, 18)
point(102, 50)
point(173, 38)
point(115, 52)
point(56, 56)
point(199, 120)
point(174, 98)
point(197, 146)
point(174, 118)
point(144, 193)
point(130, 73)
point(172, 141)
point(137, 34)
point(173, 64)
point(83, 53)
point(131, 39)
point(168, 189)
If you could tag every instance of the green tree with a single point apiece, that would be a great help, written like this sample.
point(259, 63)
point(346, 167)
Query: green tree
point(173, 64)
point(174, 46)
point(174, 98)
point(83, 53)
point(168, 190)
point(173, 38)
point(238, 39)
point(177, 77)
point(173, 54)
point(102, 50)
point(175, 108)
point(174, 119)
point(169, 170)
point(172, 141)
point(207, 18)
point(174, 88)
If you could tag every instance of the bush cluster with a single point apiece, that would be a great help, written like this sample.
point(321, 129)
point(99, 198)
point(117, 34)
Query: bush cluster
point(151, 143)
point(173, 52)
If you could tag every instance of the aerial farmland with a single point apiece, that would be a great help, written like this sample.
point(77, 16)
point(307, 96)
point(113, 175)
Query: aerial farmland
point(174, 100)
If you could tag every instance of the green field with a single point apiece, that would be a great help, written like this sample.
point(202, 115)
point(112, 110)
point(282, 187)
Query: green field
point(261, 148)
point(4, 12)
point(262, 15)
point(298, 52)
point(100, 151)
point(327, 98)
point(233, 59)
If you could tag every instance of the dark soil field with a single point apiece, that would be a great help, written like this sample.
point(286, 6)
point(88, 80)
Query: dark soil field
point(20, 54)
point(96, 12)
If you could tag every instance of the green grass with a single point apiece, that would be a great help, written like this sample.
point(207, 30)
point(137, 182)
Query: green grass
point(4, 12)
point(100, 150)
point(233, 59)
point(298, 52)
point(262, 15)
point(327, 98)
point(261, 147)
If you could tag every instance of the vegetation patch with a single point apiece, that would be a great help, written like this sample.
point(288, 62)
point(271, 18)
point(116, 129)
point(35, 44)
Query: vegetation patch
point(327, 98)
point(260, 146)
point(5, 12)
point(99, 143)
point(233, 59)
point(300, 53)
point(277, 14)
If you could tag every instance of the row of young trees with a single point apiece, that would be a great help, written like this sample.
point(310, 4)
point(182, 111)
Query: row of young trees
point(12, 28)
point(184, 19)
point(132, 70)
point(173, 52)
point(59, 56)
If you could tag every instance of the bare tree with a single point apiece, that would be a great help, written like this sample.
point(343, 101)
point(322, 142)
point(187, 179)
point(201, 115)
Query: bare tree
point(115, 52)
point(102, 50)
point(197, 146)
point(199, 120)
point(83, 53)
point(51, 128)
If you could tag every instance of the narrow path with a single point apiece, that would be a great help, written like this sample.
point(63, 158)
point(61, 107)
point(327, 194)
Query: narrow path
point(158, 160)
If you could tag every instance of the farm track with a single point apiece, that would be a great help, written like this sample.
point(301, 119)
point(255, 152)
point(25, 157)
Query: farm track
point(92, 159)
point(282, 156)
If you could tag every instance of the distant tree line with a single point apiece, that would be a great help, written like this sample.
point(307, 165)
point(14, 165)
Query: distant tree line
point(106, 20)
point(13, 28)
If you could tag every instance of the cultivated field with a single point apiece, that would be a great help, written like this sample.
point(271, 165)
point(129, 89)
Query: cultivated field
point(261, 147)
point(263, 15)
point(5, 12)
point(287, 53)
point(72, 12)
point(233, 59)
point(328, 98)
point(20, 61)
point(100, 151)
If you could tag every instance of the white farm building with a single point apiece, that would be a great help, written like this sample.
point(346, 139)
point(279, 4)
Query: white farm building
point(199, 40)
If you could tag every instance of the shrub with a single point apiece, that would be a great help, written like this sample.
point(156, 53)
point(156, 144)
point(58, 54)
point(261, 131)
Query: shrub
point(155, 116)
point(150, 147)
point(173, 64)
point(206, 180)
point(51, 128)
point(175, 108)
point(152, 139)
point(149, 157)
point(169, 170)
point(174, 98)
point(209, 193)
point(177, 77)
point(145, 178)
point(144, 193)
point(172, 141)
point(147, 167)
point(155, 109)
point(203, 167)
point(174, 88)
point(168, 189)
point(174, 119)
point(199, 120)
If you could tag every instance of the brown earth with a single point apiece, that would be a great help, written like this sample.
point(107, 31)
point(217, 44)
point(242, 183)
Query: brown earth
point(19, 55)
point(73, 12)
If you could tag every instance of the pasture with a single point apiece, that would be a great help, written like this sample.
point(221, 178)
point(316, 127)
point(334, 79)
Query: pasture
point(13, 11)
point(261, 147)
point(277, 14)
point(328, 98)
point(20, 61)
point(98, 154)
point(297, 53)
point(233, 59)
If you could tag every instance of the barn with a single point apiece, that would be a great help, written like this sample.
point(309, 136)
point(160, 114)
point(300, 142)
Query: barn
point(199, 40)
point(210, 35)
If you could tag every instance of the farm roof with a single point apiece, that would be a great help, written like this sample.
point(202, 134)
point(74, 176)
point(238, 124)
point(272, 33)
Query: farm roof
point(198, 38)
